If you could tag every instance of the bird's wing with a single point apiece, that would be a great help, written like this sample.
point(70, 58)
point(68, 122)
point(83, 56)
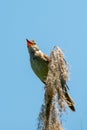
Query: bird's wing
point(42, 56)
point(46, 57)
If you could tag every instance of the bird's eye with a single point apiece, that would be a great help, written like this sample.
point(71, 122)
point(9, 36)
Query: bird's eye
point(33, 42)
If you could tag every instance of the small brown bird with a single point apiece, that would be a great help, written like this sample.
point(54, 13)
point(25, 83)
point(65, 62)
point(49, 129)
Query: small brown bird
point(39, 60)
point(39, 63)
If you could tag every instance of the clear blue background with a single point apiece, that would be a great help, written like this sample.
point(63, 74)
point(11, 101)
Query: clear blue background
point(49, 23)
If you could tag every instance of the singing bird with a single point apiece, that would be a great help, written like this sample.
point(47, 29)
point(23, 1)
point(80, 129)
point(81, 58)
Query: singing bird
point(39, 63)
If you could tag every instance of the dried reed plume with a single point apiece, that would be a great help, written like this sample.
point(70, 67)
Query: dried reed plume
point(54, 98)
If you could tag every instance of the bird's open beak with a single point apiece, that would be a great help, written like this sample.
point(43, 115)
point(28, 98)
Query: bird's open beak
point(29, 43)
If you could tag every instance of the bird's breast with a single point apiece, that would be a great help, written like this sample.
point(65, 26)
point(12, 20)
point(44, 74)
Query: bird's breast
point(40, 67)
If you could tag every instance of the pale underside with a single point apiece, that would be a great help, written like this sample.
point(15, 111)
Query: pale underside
point(40, 67)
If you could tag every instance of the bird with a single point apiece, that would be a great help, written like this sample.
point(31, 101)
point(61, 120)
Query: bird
point(39, 64)
point(39, 61)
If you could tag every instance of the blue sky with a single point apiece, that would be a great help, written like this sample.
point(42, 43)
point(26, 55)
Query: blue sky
point(49, 23)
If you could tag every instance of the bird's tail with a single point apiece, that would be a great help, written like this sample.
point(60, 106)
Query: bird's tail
point(69, 101)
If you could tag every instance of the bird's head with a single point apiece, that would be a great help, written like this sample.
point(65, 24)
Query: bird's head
point(32, 46)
